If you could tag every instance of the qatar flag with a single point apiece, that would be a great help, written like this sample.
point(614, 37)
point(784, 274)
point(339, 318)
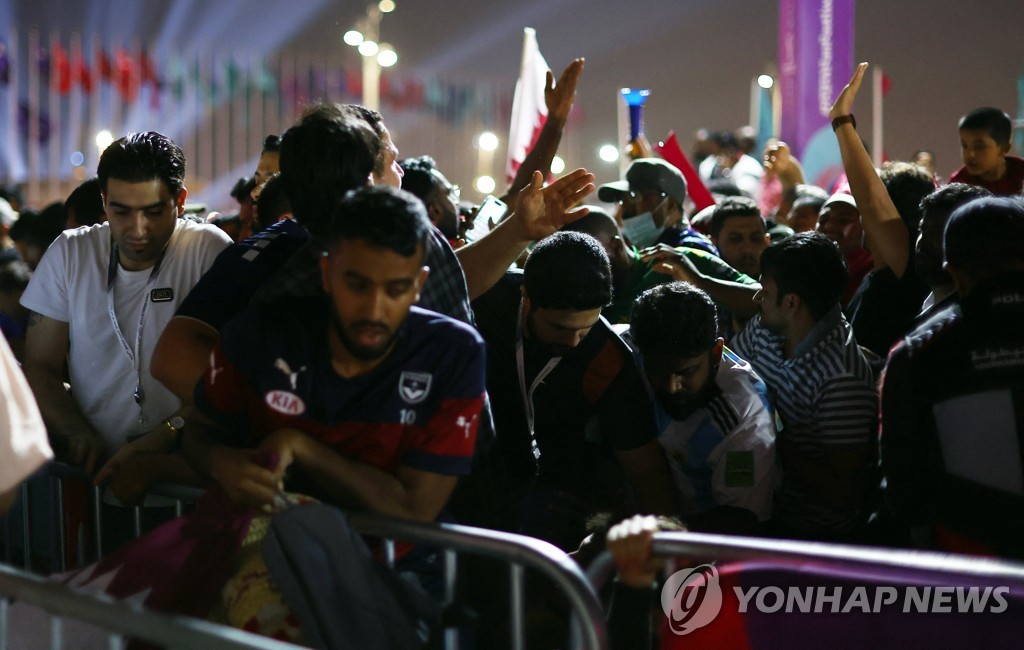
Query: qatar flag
point(529, 110)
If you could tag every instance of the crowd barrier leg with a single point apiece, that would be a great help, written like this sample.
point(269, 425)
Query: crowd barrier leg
point(518, 618)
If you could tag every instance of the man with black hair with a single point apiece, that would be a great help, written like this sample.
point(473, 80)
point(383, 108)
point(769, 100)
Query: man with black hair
point(632, 274)
point(270, 160)
point(716, 426)
point(271, 203)
point(368, 401)
point(84, 206)
point(936, 209)
point(107, 291)
point(738, 232)
point(951, 395)
point(572, 416)
point(423, 179)
point(803, 348)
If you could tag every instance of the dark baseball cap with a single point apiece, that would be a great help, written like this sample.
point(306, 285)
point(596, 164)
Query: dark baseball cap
point(646, 174)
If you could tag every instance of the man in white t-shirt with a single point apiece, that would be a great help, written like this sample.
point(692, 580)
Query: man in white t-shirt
point(100, 298)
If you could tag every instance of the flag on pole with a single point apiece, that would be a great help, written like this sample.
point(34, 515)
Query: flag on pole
point(673, 153)
point(529, 111)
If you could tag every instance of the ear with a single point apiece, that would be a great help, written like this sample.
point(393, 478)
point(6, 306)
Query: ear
point(180, 200)
point(325, 273)
point(716, 351)
point(792, 303)
point(525, 296)
point(421, 280)
point(961, 281)
point(433, 213)
point(1004, 148)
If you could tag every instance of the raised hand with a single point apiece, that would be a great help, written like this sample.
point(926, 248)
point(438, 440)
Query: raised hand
point(559, 97)
point(543, 210)
point(844, 103)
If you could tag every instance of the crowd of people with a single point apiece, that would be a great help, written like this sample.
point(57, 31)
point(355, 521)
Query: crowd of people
point(838, 364)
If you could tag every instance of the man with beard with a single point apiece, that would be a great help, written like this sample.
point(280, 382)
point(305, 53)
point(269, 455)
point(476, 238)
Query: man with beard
point(739, 233)
point(367, 401)
point(935, 211)
point(716, 425)
point(822, 386)
point(575, 426)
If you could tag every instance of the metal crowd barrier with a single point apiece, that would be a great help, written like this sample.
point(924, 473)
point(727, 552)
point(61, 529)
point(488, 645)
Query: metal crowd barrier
point(730, 548)
point(54, 476)
point(521, 553)
point(587, 624)
point(121, 620)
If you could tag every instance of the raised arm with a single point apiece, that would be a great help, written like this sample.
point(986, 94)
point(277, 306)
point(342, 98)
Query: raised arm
point(737, 298)
point(46, 347)
point(886, 233)
point(559, 99)
point(538, 212)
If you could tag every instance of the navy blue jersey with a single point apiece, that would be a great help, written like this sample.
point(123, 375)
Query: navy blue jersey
point(420, 407)
point(239, 271)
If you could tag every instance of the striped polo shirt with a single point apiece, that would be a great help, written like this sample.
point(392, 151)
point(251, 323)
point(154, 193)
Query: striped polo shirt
point(825, 395)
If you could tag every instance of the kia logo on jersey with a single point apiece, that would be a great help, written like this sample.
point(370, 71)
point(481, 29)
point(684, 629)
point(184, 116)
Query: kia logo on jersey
point(414, 386)
point(284, 402)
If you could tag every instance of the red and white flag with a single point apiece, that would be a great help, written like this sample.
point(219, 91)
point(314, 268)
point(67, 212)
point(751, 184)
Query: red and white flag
point(529, 111)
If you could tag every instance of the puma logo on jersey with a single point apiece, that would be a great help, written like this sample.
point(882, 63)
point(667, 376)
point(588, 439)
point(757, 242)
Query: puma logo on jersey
point(293, 377)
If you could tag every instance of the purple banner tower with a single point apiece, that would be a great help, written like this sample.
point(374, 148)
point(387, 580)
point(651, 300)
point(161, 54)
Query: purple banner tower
point(815, 62)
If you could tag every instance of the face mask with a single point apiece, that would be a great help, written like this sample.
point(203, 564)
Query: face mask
point(641, 230)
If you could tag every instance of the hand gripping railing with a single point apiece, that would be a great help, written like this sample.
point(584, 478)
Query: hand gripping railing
point(122, 620)
point(726, 547)
point(521, 552)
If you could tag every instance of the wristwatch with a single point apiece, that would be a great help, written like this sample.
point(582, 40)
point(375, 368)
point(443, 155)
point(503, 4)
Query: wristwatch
point(175, 424)
point(844, 119)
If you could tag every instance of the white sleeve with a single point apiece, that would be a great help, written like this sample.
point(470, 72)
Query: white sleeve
point(47, 291)
point(23, 444)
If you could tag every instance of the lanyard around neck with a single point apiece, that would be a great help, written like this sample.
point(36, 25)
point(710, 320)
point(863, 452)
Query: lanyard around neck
point(527, 394)
point(134, 353)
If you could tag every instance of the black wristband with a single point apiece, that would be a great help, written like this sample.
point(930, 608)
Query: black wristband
point(844, 119)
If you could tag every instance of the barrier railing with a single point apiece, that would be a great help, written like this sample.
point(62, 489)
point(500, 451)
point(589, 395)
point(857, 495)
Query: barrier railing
point(521, 553)
point(723, 547)
point(120, 619)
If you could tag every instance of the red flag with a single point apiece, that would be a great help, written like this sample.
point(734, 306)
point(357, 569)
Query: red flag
point(529, 110)
point(103, 65)
point(125, 77)
point(80, 70)
point(886, 84)
point(147, 71)
point(670, 151)
point(61, 76)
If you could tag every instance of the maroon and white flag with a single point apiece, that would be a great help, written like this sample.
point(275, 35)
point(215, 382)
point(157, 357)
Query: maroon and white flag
point(529, 112)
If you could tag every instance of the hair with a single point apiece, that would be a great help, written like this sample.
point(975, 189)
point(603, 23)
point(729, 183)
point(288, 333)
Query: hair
point(376, 123)
point(986, 236)
point(738, 206)
point(272, 204)
point(675, 319)
point(809, 195)
point(809, 265)
point(382, 217)
point(568, 270)
point(14, 276)
point(596, 223)
point(86, 202)
point(39, 228)
point(241, 191)
point(140, 157)
point(326, 154)
point(943, 201)
point(907, 184)
point(419, 176)
point(271, 144)
point(992, 121)
point(725, 187)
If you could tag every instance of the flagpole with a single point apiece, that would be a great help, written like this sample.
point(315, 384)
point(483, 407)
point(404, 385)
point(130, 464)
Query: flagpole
point(529, 34)
point(877, 146)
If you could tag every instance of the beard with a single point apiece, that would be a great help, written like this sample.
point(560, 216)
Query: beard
point(347, 334)
point(682, 405)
